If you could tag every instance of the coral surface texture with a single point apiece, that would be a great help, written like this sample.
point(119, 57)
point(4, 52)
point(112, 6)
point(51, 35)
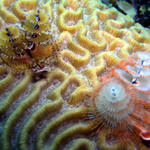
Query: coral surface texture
point(74, 75)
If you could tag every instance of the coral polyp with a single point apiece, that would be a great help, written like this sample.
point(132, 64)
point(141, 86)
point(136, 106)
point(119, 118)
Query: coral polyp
point(120, 105)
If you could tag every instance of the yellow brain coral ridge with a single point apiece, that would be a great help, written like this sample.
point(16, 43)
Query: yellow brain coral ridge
point(52, 54)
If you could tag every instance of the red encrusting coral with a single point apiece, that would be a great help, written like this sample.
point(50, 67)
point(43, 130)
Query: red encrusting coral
point(120, 103)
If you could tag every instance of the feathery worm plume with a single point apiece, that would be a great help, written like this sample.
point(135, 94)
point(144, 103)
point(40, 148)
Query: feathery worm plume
point(121, 102)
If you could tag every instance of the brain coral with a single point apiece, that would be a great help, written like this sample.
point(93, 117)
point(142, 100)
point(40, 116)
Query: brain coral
point(53, 55)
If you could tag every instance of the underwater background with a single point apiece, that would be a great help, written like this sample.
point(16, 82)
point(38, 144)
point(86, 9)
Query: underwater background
point(74, 75)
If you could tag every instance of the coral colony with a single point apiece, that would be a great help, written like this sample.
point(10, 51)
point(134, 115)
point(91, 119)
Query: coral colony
point(138, 9)
point(63, 62)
